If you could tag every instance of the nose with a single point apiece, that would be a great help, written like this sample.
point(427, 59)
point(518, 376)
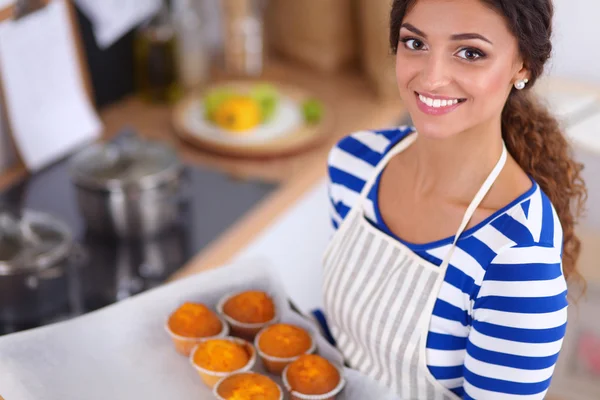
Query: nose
point(435, 73)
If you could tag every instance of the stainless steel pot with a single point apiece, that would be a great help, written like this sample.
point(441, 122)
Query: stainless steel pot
point(129, 188)
point(36, 254)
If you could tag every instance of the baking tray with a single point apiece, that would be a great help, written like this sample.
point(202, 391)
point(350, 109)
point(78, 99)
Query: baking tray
point(123, 351)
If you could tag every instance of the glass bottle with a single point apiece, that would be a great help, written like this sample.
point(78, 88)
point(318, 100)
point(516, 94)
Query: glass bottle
point(243, 36)
point(155, 59)
point(193, 58)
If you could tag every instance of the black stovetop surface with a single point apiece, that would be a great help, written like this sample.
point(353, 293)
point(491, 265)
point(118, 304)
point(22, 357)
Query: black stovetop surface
point(110, 269)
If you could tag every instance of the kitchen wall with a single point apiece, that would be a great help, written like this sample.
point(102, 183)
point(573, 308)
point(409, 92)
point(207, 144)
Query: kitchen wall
point(576, 40)
point(576, 32)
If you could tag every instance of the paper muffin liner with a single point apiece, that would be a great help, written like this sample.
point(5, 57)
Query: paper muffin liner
point(275, 365)
point(243, 329)
point(219, 397)
point(211, 378)
point(184, 344)
point(327, 396)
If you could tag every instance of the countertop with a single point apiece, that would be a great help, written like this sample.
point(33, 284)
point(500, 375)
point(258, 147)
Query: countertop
point(351, 104)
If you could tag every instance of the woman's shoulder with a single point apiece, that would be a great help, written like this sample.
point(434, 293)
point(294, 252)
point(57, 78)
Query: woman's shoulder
point(352, 161)
point(528, 243)
point(531, 221)
point(358, 152)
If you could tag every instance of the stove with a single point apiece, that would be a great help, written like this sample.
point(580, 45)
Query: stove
point(107, 270)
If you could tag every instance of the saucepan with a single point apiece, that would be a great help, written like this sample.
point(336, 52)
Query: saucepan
point(37, 256)
point(130, 188)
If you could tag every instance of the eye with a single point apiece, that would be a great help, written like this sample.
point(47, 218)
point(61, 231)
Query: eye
point(471, 54)
point(413, 44)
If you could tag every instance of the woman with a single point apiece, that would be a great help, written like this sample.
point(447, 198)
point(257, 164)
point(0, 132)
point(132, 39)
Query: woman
point(427, 310)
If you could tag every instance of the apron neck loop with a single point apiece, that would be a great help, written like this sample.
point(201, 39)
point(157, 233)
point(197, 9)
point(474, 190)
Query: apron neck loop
point(404, 144)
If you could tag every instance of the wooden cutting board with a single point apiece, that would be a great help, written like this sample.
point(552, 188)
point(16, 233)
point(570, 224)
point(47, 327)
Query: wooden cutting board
point(300, 138)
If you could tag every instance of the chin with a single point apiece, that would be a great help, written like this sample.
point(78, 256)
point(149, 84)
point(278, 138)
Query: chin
point(431, 128)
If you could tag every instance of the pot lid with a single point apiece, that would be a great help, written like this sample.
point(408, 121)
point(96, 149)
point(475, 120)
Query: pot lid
point(31, 241)
point(127, 162)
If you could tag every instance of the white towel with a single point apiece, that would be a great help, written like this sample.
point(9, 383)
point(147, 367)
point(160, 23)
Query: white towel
point(111, 19)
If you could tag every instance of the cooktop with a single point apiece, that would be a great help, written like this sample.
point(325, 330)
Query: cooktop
point(105, 270)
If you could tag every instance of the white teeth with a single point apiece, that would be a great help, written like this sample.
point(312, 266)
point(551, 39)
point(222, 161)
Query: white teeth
point(437, 102)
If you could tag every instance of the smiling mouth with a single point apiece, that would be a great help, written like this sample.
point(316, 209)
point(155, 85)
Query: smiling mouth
point(439, 102)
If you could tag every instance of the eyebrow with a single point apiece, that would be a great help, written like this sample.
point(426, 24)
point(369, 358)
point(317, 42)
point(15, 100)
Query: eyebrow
point(458, 36)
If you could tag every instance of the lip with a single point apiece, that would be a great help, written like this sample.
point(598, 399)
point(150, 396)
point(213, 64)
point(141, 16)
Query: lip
point(436, 110)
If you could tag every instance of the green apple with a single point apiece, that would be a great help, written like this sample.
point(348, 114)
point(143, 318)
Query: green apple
point(213, 100)
point(312, 110)
point(267, 98)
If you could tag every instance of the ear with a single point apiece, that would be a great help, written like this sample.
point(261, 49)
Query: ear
point(522, 73)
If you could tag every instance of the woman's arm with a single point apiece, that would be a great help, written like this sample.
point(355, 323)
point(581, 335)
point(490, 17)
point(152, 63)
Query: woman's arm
point(519, 321)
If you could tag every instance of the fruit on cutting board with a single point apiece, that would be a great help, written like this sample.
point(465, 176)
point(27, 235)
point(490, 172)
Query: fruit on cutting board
point(238, 114)
point(312, 110)
point(242, 109)
point(213, 99)
point(267, 97)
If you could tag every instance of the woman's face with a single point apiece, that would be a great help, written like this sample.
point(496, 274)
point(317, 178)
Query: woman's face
point(455, 66)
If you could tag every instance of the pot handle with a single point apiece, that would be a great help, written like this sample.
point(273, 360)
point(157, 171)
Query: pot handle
point(78, 257)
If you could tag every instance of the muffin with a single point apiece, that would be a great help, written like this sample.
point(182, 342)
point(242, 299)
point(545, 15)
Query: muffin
point(247, 312)
point(280, 344)
point(192, 322)
point(312, 377)
point(219, 357)
point(247, 386)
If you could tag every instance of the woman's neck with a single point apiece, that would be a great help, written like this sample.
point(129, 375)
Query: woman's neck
point(457, 166)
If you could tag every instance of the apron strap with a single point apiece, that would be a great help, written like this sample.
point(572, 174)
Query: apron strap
point(483, 191)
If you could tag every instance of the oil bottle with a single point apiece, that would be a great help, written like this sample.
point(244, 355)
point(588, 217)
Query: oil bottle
point(156, 59)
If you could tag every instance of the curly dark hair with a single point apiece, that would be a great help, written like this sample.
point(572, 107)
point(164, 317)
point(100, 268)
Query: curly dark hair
point(532, 135)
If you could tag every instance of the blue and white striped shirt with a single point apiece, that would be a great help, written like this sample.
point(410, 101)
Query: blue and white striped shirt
point(501, 314)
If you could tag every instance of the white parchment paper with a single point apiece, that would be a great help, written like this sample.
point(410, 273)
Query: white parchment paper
point(122, 352)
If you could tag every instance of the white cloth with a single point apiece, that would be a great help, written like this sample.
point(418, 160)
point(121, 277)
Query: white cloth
point(111, 19)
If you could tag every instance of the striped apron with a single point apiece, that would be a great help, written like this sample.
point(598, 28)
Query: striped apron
point(379, 296)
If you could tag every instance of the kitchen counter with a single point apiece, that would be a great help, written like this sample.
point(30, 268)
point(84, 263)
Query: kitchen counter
point(351, 105)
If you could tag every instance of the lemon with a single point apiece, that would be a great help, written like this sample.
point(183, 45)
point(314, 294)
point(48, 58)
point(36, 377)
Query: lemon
point(238, 114)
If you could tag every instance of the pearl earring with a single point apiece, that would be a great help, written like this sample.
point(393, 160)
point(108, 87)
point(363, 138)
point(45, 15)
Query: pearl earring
point(520, 85)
